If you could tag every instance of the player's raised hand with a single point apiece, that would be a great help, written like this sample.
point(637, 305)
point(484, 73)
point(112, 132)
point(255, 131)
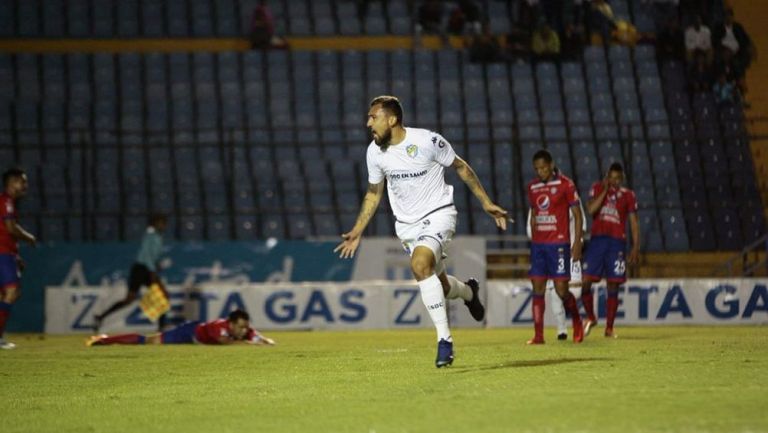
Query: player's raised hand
point(348, 247)
point(497, 213)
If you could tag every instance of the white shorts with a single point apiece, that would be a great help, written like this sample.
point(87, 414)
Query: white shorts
point(434, 231)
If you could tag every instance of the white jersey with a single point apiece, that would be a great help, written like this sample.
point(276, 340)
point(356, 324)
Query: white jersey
point(415, 173)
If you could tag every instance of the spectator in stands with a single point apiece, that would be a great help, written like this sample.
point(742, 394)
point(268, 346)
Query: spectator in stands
point(574, 12)
point(528, 14)
point(698, 40)
point(670, 43)
point(730, 36)
point(732, 69)
point(663, 11)
point(263, 28)
point(700, 75)
point(601, 20)
point(518, 43)
point(430, 17)
point(465, 17)
point(725, 90)
point(573, 42)
point(625, 33)
point(545, 43)
point(702, 8)
point(553, 12)
point(484, 48)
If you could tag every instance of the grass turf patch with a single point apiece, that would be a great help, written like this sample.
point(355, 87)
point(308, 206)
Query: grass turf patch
point(653, 379)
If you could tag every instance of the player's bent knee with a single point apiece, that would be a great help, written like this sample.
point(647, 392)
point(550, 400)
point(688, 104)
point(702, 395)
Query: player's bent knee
point(422, 268)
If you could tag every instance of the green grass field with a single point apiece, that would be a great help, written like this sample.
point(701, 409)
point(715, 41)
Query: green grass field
point(671, 379)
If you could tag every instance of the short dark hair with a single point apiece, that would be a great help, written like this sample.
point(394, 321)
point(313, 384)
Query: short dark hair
point(11, 173)
point(391, 104)
point(616, 166)
point(236, 315)
point(543, 154)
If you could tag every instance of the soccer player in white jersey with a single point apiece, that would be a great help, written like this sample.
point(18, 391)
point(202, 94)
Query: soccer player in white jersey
point(555, 302)
point(413, 162)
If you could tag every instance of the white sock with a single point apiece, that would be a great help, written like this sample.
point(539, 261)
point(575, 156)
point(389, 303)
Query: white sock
point(434, 300)
point(458, 289)
point(556, 306)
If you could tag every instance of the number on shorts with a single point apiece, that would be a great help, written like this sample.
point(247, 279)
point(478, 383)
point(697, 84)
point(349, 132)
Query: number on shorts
point(560, 265)
point(575, 267)
point(619, 266)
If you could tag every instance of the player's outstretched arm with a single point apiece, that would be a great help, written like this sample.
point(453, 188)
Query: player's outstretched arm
point(347, 247)
point(469, 177)
point(19, 233)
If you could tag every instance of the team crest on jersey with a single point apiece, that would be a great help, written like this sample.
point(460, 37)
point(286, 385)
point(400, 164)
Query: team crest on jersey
point(412, 150)
point(543, 202)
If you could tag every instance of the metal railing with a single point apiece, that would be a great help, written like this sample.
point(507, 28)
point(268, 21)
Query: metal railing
point(749, 260)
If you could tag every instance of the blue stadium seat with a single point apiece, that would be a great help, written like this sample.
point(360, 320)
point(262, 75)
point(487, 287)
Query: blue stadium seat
point(326, 224)
point(217, 227)
point(191, 227)
point(700, 231)
point(272, 226)
point(7, 19)
point(673, 226)
point(226, 19)
point(106, 228)
point(127, 18)
point(53, 16)
point(246, 227)
point(102, 18)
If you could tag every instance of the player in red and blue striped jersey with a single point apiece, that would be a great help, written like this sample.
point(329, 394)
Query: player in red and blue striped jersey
point(552, 198)
point(610, 205)
point(14, 187)
point(235, 328)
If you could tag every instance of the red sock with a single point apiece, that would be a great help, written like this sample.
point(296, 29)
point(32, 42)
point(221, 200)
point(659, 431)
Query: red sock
point(612, 305)
point(570, 306)
point(538, 307)
point(123, 339)
point(4, 314)
point(589, 304)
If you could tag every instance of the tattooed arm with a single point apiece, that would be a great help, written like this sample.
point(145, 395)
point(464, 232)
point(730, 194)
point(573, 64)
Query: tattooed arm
point(469, 177)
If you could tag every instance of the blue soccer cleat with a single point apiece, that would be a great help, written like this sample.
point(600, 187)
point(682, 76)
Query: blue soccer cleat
point(444, 354)
point(476, 308)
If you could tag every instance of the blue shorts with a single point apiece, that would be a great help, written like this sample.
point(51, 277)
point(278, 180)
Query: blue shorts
point(182, 334)
point(9, 271)
point(550, 262)
point(605, 257)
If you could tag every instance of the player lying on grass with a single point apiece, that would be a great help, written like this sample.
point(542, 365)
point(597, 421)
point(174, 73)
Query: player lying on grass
point(234, 329)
